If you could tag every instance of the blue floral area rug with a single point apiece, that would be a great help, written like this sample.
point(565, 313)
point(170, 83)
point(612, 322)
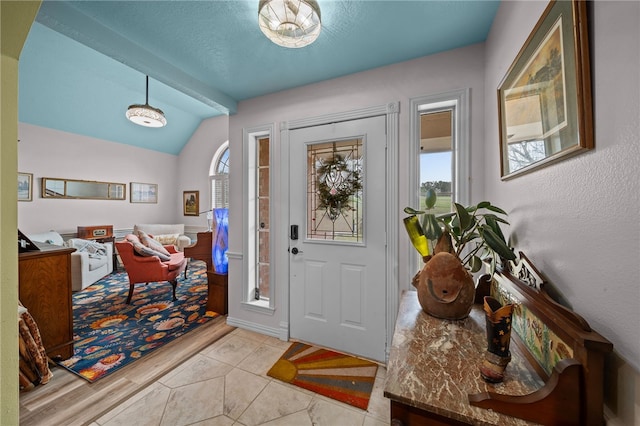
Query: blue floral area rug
point(109, 334)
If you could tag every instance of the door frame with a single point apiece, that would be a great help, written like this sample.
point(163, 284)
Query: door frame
point(390, 111)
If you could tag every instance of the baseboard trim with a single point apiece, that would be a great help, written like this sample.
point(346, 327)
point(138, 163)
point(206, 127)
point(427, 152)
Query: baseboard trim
point(252, 326)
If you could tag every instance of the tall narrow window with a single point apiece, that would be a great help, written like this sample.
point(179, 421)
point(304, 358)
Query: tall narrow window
point(436, 155)
point(259, 285)
point(441, 152)
point(261, 291)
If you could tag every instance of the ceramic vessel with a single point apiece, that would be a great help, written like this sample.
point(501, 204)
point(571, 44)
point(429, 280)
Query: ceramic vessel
point(445, 288)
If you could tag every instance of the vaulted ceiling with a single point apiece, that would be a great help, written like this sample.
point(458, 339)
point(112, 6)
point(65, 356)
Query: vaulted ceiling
point(85, 62)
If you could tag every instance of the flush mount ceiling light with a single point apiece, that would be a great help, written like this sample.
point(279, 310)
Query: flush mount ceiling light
point(290, 23)
point(146, 115)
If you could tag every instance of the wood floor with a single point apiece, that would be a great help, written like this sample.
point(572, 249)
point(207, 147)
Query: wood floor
point(70, 400)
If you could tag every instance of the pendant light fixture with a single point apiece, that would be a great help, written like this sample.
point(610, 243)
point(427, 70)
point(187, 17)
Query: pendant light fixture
point(146, 115)
point(290, 23)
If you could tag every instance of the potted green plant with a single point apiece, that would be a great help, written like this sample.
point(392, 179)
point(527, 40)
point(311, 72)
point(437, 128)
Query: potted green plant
point(464, 238)
point(474, 231)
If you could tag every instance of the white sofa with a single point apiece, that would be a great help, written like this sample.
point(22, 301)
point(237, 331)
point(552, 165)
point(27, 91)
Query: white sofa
point(90, 262)
point(166, 234)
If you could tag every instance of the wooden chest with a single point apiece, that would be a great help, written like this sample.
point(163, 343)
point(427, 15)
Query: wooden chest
point(95, 232)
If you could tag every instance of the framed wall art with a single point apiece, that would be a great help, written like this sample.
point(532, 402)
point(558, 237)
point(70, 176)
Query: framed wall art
point(144, 193)
point(544, 100)
point(25, 186)
point(191, 203)
point(82, 189)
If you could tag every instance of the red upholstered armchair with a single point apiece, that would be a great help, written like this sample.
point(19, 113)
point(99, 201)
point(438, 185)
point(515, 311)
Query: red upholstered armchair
point(146, 269)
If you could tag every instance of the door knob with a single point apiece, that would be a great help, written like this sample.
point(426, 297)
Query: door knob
point(295, 250)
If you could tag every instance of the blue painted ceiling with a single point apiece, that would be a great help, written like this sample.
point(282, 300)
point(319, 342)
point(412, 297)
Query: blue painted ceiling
point(84, 62)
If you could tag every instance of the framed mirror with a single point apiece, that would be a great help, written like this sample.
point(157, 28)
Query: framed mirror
point(544, 101)
point(82, 189)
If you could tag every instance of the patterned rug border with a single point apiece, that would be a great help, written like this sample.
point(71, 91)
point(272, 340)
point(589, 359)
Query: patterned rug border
point(345, 378)
point(110, 335)
point(156, 351)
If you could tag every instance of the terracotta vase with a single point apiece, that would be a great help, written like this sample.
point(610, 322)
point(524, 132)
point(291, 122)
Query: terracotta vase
point(497, 356)
point(445, 288)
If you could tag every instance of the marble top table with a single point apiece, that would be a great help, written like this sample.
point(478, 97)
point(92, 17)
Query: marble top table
point(434, 364)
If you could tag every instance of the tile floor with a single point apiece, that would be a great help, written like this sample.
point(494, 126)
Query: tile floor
point(227, 384)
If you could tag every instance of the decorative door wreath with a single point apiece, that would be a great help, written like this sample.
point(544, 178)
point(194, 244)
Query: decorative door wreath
point(337, 181)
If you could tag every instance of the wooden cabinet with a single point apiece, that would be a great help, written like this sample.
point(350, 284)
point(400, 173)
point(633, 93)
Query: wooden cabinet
point(218, 283)
point(45, 290)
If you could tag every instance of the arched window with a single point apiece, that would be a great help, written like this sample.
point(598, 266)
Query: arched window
point(219, 175)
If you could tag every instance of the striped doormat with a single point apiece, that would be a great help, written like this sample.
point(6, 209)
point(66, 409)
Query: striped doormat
point(338, 376)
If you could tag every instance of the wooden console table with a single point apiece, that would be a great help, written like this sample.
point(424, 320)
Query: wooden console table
point(45, 290)
point(555, 376)
point(434, 365)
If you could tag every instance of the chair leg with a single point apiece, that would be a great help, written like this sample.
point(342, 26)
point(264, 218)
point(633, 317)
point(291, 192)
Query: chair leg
point(185, 269)
point(174, 284)
point(130, 293)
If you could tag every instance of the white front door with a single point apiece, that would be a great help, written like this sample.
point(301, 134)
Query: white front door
point(338, 261)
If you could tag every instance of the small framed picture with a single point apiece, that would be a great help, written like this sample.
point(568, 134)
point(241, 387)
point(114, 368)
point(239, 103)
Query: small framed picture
point(144, 192)
point(191, 203)
point(25, 186)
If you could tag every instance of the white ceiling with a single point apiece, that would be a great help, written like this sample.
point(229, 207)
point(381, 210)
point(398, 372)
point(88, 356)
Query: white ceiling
point(85, 62)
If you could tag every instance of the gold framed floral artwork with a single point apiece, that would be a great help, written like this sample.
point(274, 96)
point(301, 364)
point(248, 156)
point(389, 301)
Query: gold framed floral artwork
point(191, 203)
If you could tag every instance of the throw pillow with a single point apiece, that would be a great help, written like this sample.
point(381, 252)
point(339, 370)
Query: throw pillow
point(151, 243)
point(166, 238)
point(143, 250)
point(132, 238)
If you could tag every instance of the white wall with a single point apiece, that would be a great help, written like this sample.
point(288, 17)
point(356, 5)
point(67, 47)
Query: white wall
point(52, 153)
point(578, 220)
point(435, 74)
point(194, 162)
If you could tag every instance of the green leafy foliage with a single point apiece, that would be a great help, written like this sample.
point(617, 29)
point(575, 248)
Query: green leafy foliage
point(474, 230)
point(431, 227)
point(430, 198)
